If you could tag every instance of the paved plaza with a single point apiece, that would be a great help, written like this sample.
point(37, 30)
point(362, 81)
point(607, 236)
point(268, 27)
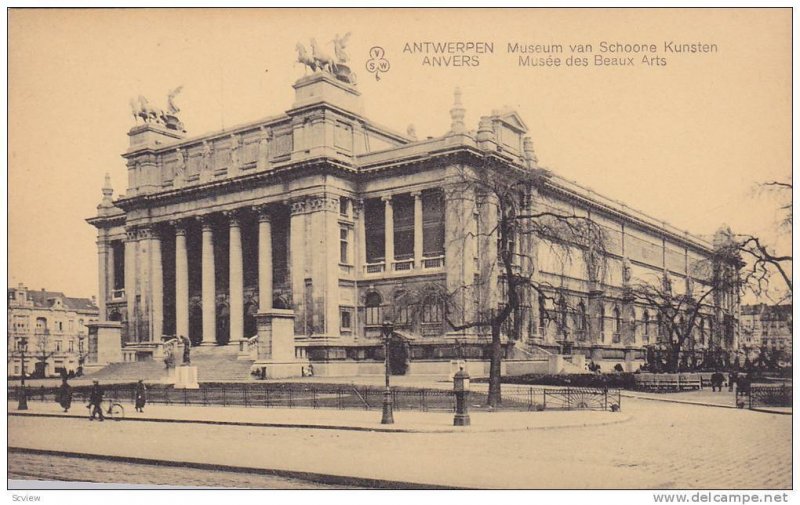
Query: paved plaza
point(650, 445)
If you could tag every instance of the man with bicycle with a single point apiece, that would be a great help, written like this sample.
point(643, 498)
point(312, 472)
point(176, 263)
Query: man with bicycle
point(95, 401)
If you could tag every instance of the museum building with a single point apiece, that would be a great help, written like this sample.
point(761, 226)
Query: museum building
point(295, 237)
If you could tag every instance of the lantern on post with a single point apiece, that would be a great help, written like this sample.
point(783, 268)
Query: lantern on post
point(388, 415)
point(23, 395)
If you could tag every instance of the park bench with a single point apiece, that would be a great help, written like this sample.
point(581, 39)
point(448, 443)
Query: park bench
point(668, 382)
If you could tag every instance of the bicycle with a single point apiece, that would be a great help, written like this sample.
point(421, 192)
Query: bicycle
point(114, 412)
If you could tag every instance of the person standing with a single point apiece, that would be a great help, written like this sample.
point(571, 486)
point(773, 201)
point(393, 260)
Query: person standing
point(141, 396)
point(65, 395)
point(733, 378)
point(95, 401)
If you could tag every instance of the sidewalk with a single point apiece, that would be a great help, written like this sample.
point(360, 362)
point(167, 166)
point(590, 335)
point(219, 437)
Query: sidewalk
point(703, 397)
point(332, 419)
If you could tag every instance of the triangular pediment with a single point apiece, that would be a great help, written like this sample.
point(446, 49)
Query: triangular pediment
point(513, 120)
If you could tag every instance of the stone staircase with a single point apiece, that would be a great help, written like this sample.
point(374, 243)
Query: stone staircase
point(214, 364)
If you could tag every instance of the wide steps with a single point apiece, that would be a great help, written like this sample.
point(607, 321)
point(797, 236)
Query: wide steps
point(214, 364)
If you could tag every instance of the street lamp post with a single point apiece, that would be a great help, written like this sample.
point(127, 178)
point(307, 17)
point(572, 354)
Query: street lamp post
point(23, 396)
point(388, 415)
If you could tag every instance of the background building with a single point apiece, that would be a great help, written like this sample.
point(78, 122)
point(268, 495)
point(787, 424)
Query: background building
point(305, 230)
point(53, 325)
point(767, 327)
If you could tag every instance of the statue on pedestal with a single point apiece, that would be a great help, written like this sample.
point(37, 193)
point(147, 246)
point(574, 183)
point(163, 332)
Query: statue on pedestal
point(187, 349)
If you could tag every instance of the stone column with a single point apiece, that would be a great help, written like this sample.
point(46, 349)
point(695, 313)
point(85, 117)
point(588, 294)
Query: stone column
point(417, 229)
point(157, 288)
point(264, 259)
point(298, 252)
point(110, 279)
point(130, 283)
point(181, 281)
point(388, 232)
point(208, 285)
point(236, 284)
point(102, 262)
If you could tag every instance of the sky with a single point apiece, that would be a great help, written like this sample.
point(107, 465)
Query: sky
point(686, 142)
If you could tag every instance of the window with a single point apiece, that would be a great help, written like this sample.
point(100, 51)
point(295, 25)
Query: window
point(374, 311)
point(432, 223)
point(346, 318)
point(374, 224)
point(562, 316)
point(431, 311)
point(542, 314)
point(343, 245)
point(581, 321)
point(646, 326)
point(403, 209)
point(344, 205)
point(617, 321)
point(71, 346)
point(401, 311)
point(58, 346)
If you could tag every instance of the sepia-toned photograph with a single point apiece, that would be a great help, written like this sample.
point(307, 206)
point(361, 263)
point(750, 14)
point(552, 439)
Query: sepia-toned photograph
point(400, 249)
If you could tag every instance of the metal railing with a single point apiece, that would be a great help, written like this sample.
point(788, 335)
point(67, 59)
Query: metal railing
point(769, 396)
point(344, 397)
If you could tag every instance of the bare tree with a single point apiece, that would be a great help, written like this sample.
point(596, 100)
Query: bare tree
point(509, 195)
point(43, 350)
point(762, 260)
point(681, 313)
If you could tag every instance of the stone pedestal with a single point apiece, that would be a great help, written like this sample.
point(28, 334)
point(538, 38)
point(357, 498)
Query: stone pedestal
point(186, 377)
point(276, 359)
point(579, 360)
point(555, 363)
point(629, 365)
point(105, 343)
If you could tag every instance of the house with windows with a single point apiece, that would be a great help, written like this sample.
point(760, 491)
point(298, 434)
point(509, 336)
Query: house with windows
point(51, 328)
point(767, 327)
point(307, 230)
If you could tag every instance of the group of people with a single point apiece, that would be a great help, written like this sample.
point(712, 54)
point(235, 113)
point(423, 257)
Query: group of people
point(742, 382)
point(96, 395)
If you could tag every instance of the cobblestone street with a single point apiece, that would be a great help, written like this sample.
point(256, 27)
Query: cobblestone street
point(663, 445)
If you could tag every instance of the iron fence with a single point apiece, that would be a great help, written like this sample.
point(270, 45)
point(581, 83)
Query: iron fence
point(339, 396)
point(769, 396)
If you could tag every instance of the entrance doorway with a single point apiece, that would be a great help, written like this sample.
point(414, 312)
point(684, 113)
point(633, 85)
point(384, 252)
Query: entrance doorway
point(223, 324)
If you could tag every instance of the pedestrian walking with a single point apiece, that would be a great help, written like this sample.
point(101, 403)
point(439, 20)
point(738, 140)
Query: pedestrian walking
point(65, 395)
point(716, 381)
point(141, 396)
point(733, 377)
point(95, 401)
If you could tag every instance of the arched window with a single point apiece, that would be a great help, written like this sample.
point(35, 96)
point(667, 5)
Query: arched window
point(542, 315)
point(617, 321)
point(401, 312)
point(602, 322)
point(659, 326)
point(581, 321)
point(646, 326)
point(562, 316)
point(374, 311)
point(431, 310)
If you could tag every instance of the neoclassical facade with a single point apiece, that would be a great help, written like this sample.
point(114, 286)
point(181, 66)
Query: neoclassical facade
point(325, 219)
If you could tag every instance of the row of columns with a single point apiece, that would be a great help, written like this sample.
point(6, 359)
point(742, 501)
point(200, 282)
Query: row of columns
point(148, 266)
point(389, 230)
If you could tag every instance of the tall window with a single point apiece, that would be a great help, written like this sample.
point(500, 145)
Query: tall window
point(542, 314)
point(374, 311)
point(403, 209)
point(346, 318)
point(562, 316)
point(659, 326)
point(344, 245)
point(344, 205)
point(602, 317)
point(374, 224)
point(581, 321)
point(702, 330)
point(432, 223)
point(431, 311)
point(401, 311)
point(617, 324)
point(646, 326)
